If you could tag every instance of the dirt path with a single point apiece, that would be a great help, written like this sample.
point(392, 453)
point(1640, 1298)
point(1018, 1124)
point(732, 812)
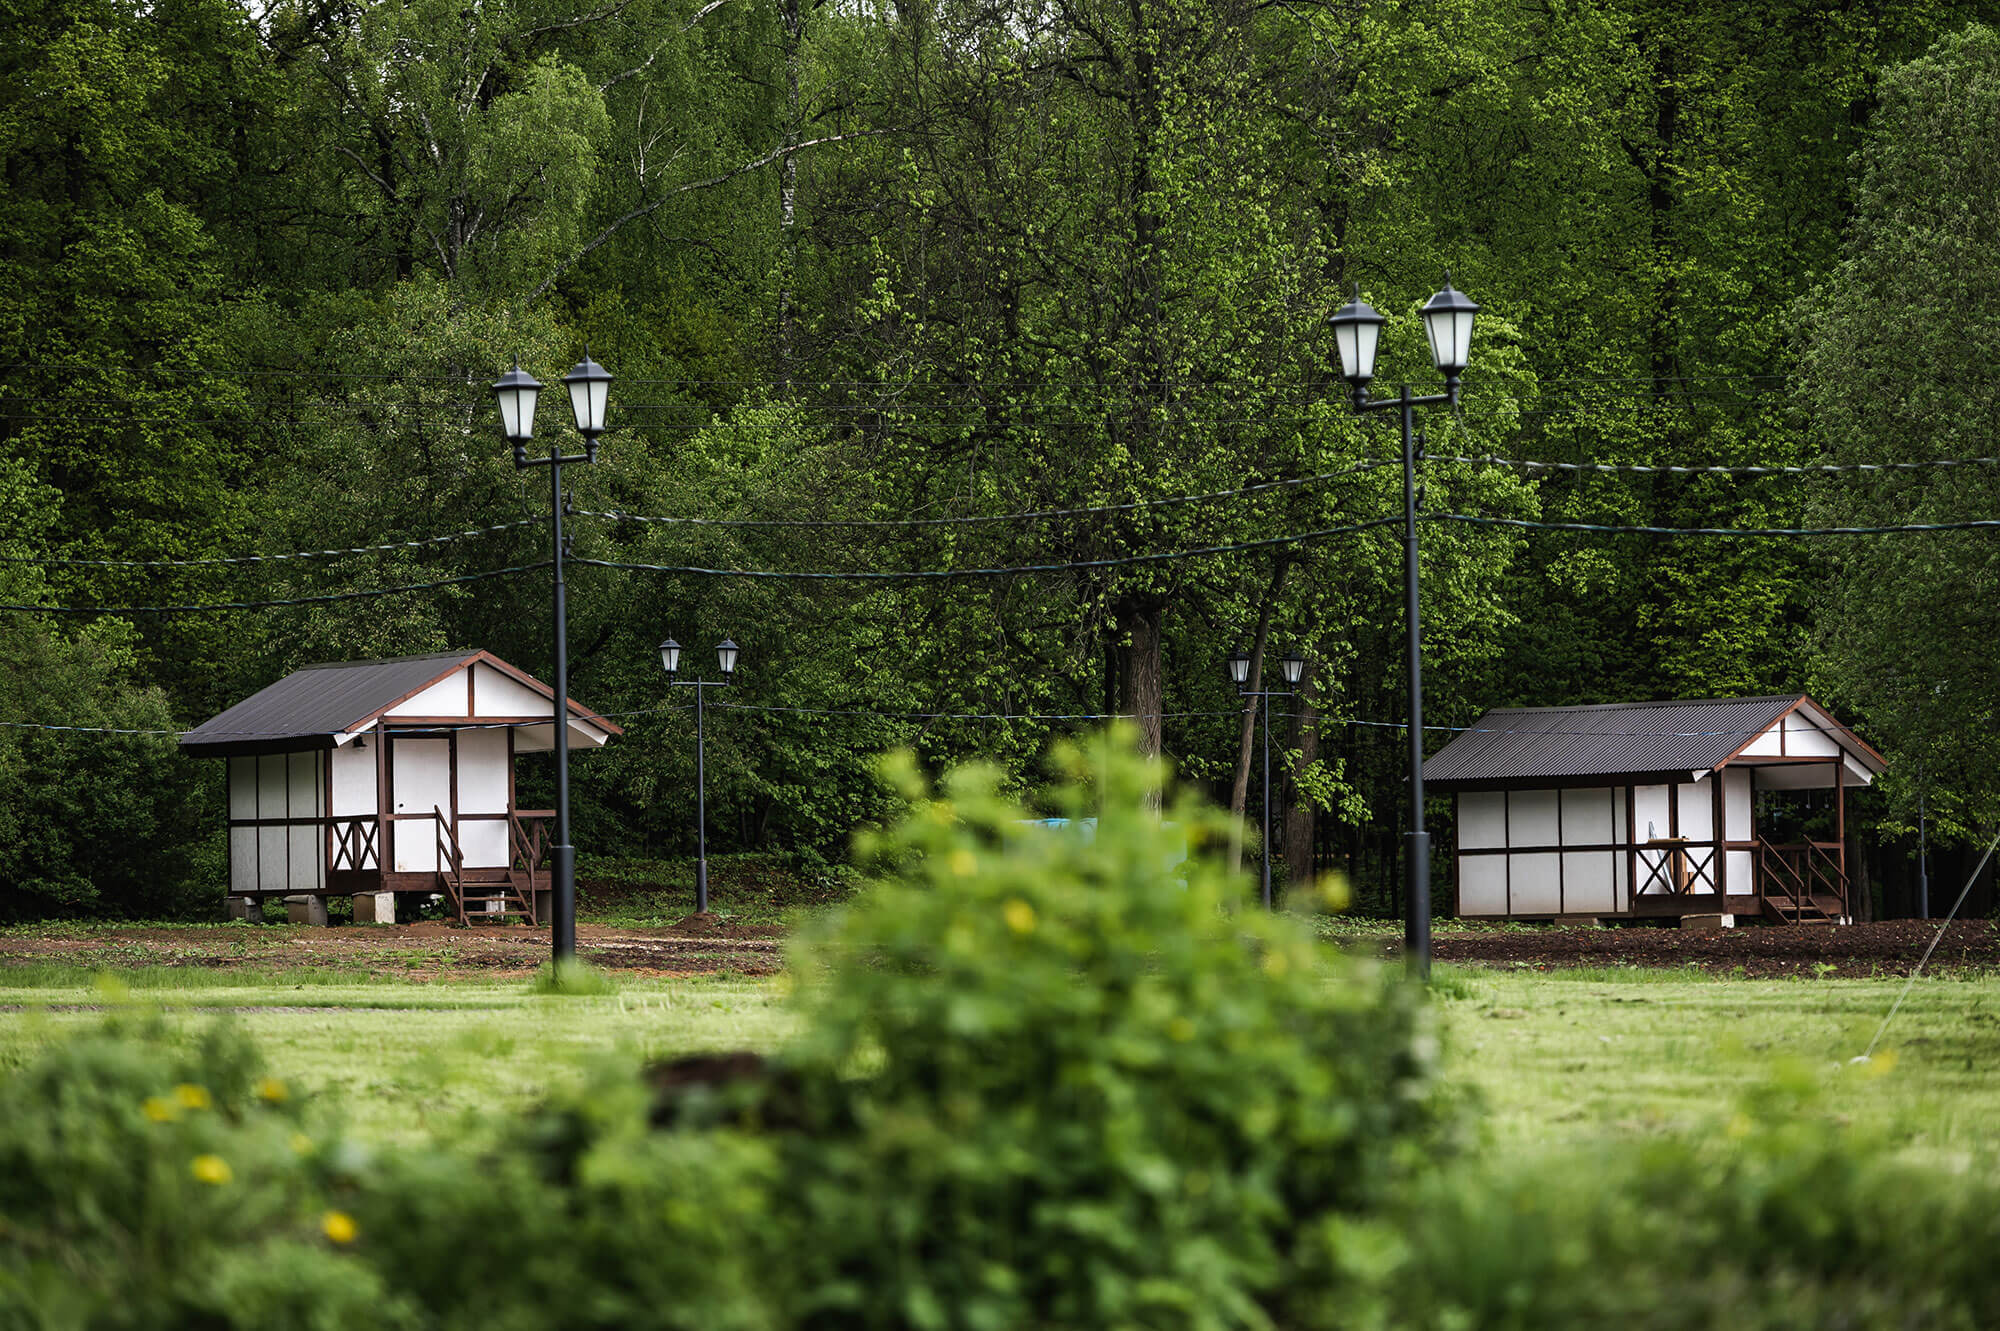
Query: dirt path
point(414, 951)
point(698, 945)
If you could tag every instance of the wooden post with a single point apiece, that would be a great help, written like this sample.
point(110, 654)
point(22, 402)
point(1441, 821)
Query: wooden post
point(1840, 828)
point(1721, 831)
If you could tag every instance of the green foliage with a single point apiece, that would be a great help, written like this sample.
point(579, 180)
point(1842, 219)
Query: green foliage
point(1907, 321)
point(145, 1185)
point(1107, 1093)
point(571, 978)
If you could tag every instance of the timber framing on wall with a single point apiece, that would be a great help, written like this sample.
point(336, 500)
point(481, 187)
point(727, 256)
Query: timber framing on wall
point(1674, 764)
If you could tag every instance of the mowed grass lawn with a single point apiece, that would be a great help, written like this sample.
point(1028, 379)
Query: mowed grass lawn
point(1559, 1060)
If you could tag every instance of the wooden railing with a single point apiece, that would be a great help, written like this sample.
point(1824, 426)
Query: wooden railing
point(354, 844)
point(1675, 868)
point(1794, 875)
point(451, 866)
point(528, 846)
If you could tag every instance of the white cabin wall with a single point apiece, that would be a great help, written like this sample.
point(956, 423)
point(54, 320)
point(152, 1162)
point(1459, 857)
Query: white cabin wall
point(1482, 820)
point(1590, 816)
point(1535, 886)
point(483, 788)
point(1482, 885)
point(305, 784)
point(1697, 810)
point(1803, 739)
point(1649, 813)
point(1590, 881)
point(447, 697)
point(496, 694)
point(1534, 818)
point(354, 779)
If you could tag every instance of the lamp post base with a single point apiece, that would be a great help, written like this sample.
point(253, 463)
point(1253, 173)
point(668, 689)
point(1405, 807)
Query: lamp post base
point(562, 863)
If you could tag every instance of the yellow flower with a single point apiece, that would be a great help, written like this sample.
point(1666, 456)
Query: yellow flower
point(339, 1226)
point(212, 1169)
point(964, 863)
point(160, 1109)
point(301, 1144)
point(272, 1091)
point(194, 1097)
point(1020, 916)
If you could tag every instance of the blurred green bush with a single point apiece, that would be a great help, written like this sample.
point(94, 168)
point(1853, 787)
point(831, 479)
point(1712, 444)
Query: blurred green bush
point(1043, 1082)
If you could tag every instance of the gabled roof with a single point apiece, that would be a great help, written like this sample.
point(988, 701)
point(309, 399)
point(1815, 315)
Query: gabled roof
point(1533, 745)
point(309, 708)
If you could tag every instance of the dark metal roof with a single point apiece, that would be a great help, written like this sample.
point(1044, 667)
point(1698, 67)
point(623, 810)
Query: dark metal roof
point(1538, 744)
point(309, 707)
point(306, 708)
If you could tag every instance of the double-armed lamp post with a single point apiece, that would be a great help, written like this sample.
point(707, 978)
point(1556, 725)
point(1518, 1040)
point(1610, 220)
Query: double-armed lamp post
point(589, 387)
point(1357, 329)
point(1293, 667)
point(725, 661)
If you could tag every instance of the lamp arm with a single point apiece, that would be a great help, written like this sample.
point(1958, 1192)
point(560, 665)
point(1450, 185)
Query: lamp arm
point(1365, 403)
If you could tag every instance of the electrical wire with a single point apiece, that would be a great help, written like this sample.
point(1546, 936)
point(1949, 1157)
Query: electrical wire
point(1615, 529)
point(1816, 469)
point(1293, 482)
point(323, 599)
point(858, 575)
point(961, 716)
point(419, 543)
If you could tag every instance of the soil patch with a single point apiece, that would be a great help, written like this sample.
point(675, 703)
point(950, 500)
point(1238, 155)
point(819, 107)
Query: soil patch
point(1889, 947)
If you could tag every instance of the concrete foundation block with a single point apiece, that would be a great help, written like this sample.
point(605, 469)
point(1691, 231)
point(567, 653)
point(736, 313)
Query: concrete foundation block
point(374, 907)
point(245, 908)
point(306, 909)
point(1701, 923)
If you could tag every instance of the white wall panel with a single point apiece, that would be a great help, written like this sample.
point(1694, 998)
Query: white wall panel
point(302, 775)
point(354, 779)
point(1482, 885)
point(1481, 820)
point(1742, 872)
point(482, 771)
point(1590, 881)
point(495, 694)
point(271, 785)
point(483, 842)
point(1649, 813)
point(1532, 817)
point(242, 859)
point(308, 858)
point(1765, 745)
point(1736, 806)
point(243, 788)
point(444, 698)
point(1803, 739)
point(1589, 818)
point(1535, 888)
point(1698, 809)
point(273, 861)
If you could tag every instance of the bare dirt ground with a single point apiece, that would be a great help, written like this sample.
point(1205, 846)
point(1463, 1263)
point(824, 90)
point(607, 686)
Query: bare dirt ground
point(712, 945)
point(424, 951)
point(1890, 947)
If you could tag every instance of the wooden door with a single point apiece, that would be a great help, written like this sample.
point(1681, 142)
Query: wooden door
point(420, 777)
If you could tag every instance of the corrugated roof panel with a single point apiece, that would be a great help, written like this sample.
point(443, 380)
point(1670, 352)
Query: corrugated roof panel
point(1606, 739)
point(309, 706)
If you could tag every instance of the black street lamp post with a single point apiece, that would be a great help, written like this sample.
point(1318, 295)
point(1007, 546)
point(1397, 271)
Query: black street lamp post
point(1448, 319)
point(725, 658)
point(1293, 668)
point(589, 394)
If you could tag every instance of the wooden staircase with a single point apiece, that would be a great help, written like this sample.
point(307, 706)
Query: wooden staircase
point(495, 895)
point(1801, 883)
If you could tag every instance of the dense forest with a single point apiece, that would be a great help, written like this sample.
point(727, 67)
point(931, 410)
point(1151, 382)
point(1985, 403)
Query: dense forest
point(900, 267)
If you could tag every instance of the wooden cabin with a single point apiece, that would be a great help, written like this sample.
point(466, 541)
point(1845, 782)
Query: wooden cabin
point(1654, 809)
point(376, 778)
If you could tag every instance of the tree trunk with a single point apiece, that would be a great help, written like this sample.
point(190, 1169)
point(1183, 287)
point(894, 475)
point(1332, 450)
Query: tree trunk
point(1144, 690)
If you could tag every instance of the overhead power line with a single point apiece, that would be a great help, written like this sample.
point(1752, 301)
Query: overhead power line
point(325, 598)
point(1617, 529)
point(416, 544)
point(867, 575)
point(1752, 469)
point(1293, 482)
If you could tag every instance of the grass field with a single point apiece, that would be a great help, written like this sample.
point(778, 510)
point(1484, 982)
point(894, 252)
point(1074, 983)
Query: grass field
point(1559, 1060)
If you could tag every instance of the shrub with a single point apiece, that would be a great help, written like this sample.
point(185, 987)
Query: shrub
point(1056, 1080)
